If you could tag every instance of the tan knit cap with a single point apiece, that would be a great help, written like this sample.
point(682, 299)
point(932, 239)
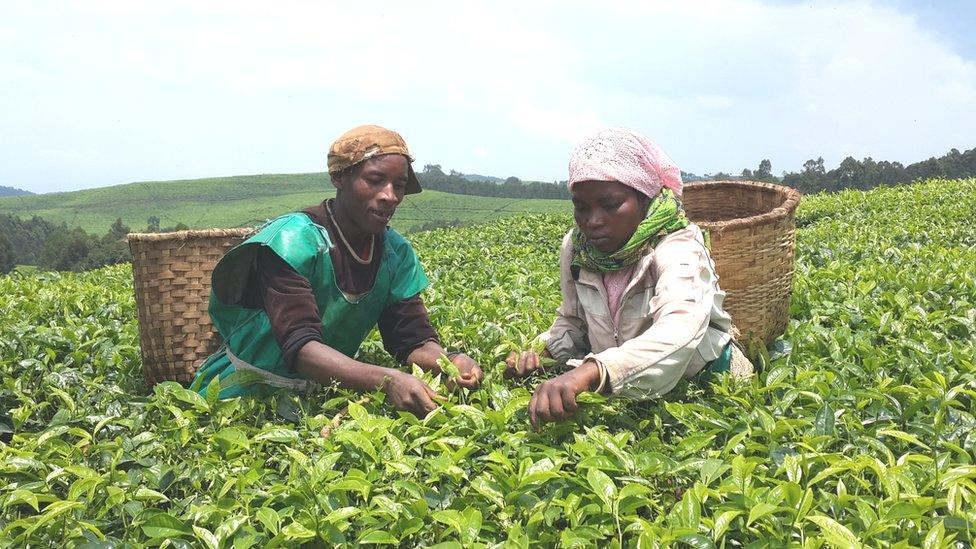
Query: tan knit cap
point(365, 142)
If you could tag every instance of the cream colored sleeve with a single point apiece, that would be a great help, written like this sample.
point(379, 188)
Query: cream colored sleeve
point(566, 339)
point(652, 363)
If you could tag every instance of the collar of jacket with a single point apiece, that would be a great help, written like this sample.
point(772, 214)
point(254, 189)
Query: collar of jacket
point(595, 279)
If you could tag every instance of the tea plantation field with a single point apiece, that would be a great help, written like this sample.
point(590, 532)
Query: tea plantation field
point(863, 434)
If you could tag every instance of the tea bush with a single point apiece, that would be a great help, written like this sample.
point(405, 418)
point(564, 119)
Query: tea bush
point(862, 433)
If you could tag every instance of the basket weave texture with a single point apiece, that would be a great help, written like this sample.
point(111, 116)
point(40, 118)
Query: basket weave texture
point(171, 275)
point(753, 238)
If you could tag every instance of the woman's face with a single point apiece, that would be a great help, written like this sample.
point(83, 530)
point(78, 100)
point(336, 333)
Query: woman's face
point(607, 212)
point(369, 195)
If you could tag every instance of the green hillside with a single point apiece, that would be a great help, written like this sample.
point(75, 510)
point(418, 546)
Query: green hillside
point(246, 200)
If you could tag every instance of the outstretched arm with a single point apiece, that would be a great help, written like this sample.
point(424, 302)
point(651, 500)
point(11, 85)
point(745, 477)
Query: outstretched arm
point(567, 338)
point(555, 399)
point(410, 338)
point(324, 364)
point(296, 324)
point(426, 357)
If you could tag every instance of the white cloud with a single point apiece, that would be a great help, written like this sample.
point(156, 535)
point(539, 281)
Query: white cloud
point(562, 125)
point(724, 84)
point(232, 87)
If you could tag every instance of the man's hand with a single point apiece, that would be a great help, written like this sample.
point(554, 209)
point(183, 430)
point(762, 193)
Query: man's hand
point(522, 365)
point(555, 399)
point(406, 392)
point(470, 374)
point(431, 357)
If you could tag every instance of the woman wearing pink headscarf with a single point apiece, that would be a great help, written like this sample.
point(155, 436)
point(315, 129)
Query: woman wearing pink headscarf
point(641, 303)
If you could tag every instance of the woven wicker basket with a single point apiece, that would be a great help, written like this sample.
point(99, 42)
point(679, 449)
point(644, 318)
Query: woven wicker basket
point(171, 274)
point(753, 240)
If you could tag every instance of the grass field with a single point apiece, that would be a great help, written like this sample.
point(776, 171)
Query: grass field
point(246, 200)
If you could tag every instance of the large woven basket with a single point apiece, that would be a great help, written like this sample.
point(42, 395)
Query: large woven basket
point(171, 274)
point(753, 240)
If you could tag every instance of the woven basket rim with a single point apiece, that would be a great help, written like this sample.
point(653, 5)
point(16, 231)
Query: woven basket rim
point(791, 199)
point(188, 234)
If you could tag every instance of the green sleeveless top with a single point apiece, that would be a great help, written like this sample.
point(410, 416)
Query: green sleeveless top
point(250, 361)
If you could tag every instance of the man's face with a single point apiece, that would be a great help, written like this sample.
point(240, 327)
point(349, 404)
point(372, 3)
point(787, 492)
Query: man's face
point(368, 196)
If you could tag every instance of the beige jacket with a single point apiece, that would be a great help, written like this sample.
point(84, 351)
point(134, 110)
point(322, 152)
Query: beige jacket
point(669, 325)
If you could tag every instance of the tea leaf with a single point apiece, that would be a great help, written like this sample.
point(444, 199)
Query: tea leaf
point(837, 534)
point(163, 525)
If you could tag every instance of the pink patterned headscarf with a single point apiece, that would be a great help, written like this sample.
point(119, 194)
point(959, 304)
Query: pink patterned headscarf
point(619, 154)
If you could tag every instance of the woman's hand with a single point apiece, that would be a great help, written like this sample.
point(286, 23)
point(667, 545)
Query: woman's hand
point(470, 374)
point(522, 365)
point(555, 399)
point(406, 392)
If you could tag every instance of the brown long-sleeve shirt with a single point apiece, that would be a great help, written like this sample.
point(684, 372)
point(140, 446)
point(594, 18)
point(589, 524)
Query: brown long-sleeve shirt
point(287, 298)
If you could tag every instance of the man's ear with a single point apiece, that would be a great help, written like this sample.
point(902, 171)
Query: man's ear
point(338, 180)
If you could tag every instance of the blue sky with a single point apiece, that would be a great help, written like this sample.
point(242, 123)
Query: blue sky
point(109, 91)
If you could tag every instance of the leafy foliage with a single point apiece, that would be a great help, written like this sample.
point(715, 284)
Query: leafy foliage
point(52, 247)
point(512, 187)
point(864, 432)
point(6, 255)
point(869, 173)
point(27, 236)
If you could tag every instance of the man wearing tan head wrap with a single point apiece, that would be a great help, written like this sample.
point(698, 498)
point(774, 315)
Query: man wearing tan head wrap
point(296, 300)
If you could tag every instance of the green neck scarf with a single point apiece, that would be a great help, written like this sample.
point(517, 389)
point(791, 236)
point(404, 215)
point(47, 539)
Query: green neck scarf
point(665, 214)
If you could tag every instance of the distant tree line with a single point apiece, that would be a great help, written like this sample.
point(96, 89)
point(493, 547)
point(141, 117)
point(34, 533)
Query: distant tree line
point(12, 191)
point(868, 173)
point(434, 178)
point(53, 247)
point(814, 177)
point(860, 174)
